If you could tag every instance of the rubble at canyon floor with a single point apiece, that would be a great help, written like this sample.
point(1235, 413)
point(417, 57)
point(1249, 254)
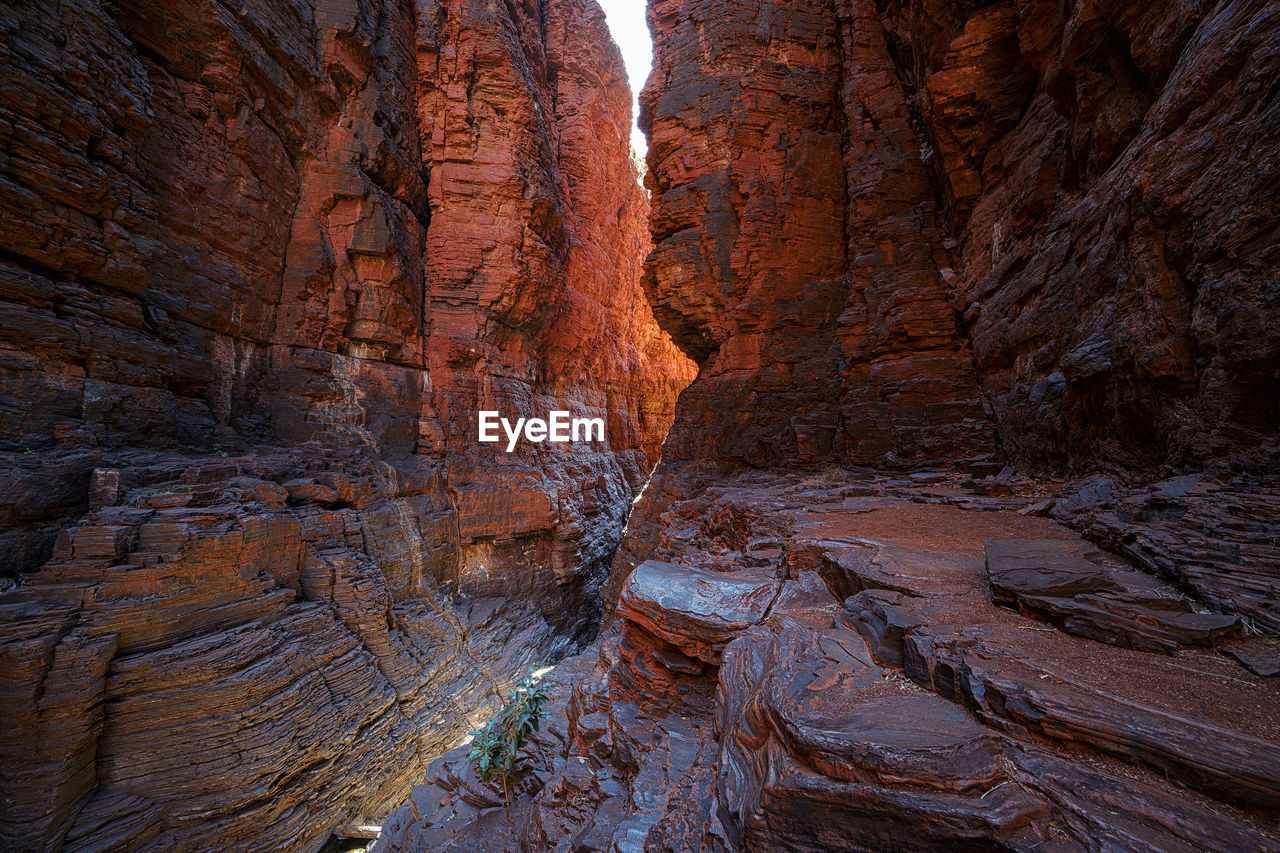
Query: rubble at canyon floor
point(870, 662)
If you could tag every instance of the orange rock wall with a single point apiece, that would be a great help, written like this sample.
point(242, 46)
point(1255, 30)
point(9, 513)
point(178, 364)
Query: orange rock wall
point(262, 263)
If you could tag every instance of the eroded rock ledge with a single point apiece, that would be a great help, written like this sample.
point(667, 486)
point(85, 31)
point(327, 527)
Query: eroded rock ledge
point(822, 666)
point(904, 235)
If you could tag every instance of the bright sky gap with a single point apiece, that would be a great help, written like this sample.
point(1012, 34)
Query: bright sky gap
point(631, 34)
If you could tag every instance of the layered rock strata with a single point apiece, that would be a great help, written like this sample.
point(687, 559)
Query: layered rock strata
point(890, 234)
point(262, 264)
point(902, 234)
point(870, 216)
point(799, 253)
point(833, 671)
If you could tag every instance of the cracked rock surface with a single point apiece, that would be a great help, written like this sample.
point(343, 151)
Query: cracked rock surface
point(884, 700)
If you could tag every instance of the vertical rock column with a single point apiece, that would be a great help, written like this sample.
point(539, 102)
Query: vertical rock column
point(538, 227)
point(909, 388)
point(798, 256)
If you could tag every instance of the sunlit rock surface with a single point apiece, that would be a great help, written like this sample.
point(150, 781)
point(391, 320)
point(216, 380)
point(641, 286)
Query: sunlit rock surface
point(262, 264)
point(949, 245)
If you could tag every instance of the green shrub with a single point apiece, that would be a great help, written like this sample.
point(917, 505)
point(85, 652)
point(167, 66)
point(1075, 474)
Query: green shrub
point(496, 749)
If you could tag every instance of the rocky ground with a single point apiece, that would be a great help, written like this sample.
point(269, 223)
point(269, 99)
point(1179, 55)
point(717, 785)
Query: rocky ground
point(871, 663)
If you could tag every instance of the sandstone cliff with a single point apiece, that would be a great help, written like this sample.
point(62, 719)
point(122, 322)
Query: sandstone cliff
point(262, 263)
point(906, 233)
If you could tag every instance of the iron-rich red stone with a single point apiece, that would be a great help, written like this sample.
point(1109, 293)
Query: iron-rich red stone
point(918, 715)
point(869, 216)
point(799, 254)
point(262, 264)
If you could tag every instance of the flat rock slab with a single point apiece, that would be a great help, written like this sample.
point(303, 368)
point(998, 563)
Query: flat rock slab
point(808, 599)
point(849, 566)
point(1046, 567)
point(810, 727)
point(697, 611)
point(1216, 537)
point(1019, 696)
point(1268, 666)
point(1113, 620)
point(1057, 581)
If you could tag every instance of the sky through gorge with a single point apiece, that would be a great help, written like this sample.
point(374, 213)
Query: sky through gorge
point(631, 34)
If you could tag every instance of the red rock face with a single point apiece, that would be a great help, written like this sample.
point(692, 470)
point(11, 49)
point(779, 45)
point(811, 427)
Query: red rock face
point(865, 214)
point(799, 253)
point(261, 267)
point(263, 264)
point(874, 223)
point(911, 232)
point(1117, 231)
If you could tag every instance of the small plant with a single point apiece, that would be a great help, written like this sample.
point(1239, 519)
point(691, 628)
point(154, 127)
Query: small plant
point(496, 748)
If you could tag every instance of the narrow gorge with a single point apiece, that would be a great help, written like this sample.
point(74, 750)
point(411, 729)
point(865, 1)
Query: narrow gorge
point(937, 352)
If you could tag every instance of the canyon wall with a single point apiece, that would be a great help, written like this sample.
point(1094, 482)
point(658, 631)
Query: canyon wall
point(907, 233)
point(902, 231)
point(900, 234)
point(939, 247)
point(800, 250)
point(262, 263)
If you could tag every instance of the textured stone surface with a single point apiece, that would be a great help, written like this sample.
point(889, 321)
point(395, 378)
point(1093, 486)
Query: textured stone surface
point(910, 233)
point(697, 611)
point(798, 252)
point(244, 629)
point(1114, 265)
point(895, 234)
point(864, 213)
point(1021, 567)
point(262, 264)
point(867, 218)
point(1213, 533)
point(1081, 595)
point(916, 715)
point(804, 732)
point(379, 248)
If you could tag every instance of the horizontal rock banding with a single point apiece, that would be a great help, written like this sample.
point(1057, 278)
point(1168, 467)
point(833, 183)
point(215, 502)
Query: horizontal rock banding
point(263, 264)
